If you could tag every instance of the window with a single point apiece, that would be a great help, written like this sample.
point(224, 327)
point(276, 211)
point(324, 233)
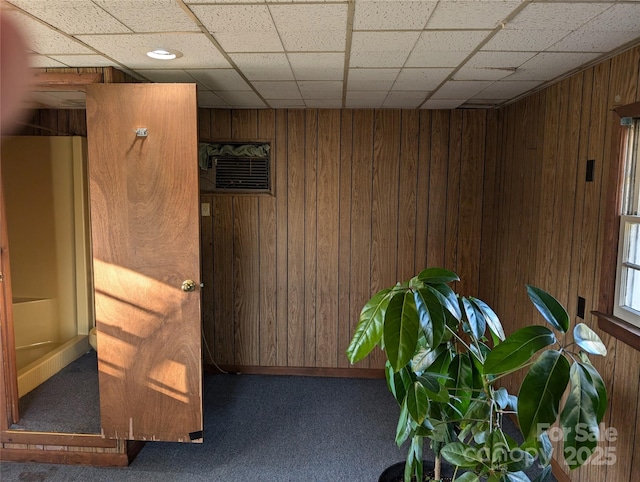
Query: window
point(627, 293)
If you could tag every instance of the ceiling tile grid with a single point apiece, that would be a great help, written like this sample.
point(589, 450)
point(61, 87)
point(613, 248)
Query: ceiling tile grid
point(429, 54)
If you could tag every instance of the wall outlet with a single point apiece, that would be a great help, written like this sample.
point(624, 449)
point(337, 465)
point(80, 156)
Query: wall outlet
point(205, 209)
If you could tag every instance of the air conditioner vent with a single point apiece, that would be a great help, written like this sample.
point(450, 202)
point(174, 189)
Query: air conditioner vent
point(235, 167)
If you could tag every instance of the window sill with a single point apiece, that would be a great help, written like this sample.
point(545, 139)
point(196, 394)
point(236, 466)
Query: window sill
point(623, 331)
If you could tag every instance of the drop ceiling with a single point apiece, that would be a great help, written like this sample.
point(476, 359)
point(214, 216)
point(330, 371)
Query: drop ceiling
point(330, 54)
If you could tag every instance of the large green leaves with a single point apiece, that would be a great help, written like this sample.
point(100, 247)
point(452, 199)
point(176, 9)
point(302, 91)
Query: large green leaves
point(475, 318)
point(462, 455)
point(517, 349)
point(598, 384)
point(491, 318)
point(417, 402)
point(588, 340)
point(437, 276)
point(579, 418)
point(369, 330)
point(549, 308)
point(400, 329)
point(431, 315)
point(541, 391)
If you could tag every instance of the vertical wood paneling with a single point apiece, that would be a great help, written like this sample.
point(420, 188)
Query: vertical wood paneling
point(282, 228)
point(361, 194)
point(563, 217)
point(384, 206)
point(296, 228)
point(422, 190)
point(267, 256)
point(453, 191)
point(436, 230)
point(344, 242)
point(328, 231)
point(310, 235)
point(407, 194)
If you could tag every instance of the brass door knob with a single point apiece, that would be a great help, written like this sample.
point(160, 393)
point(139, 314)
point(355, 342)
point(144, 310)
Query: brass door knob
point(188, 285)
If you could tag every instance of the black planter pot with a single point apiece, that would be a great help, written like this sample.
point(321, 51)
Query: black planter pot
point(395, 473)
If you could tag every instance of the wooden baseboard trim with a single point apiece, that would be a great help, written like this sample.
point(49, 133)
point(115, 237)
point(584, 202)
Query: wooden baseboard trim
point(46, 438)
point(558, 473)
point(298, 371)
point(96, 459)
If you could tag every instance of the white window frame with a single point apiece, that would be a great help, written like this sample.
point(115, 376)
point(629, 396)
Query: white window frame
point(630, 215)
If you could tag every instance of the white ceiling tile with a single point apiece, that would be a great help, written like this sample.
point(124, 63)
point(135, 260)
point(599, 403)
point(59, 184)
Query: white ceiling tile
point(195, 2)
point(442, 104)
point(371, 79)
point(131, 50)
point(77, 17)
point(219, 79)
point(44, 40)
point(526, 40)
point(43, 62)
point(209, 99)
point(240, 28)
point(498, 60)
point(435, 59)
point(367, 100)
point(593, 41)
point(268, 66)
point(249, 41)
point(561, 16)
point(287, 104)
point(85, 60)
point(244, 99)
point(287, 89)
point(471, 14)
point(420, 79)
point(506, 89)
point(150, 15)
point(397, 15)
point(311, 89)
point(314, 27)
point(620, 17)
point(381, 49)
point(462, 89)
point(404, 99)
point(317, 66)
point(548, 65)
point(324, 103)
point(466, 73)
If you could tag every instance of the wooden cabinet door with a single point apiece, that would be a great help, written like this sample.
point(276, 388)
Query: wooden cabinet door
point(145, 239)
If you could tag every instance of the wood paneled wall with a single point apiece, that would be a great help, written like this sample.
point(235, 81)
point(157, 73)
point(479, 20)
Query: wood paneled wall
point(363, 199)
point(549, 226)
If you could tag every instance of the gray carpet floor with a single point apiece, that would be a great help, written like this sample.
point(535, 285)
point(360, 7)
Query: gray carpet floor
point(263, 428)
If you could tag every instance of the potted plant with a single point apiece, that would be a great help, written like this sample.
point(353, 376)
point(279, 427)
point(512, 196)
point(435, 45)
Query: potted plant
point(446, 356)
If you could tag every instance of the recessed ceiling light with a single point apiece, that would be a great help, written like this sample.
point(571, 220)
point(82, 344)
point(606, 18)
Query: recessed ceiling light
point(162, 54)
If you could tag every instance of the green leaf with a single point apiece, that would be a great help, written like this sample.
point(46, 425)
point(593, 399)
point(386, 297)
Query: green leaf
point(579, 419)
point(517, 349)
point(600, 387)
point(468, 477)
point(588, 340)
point(541, 391)
point(431, 315)
point(399, 382)
point(519, 460)
point(448, 298)
point(501, 396)
point(437, 276)
point(477, 323)
point(549, 308)
point(417, 402)
point(400, 329)
point(424, 358)
point(403, 429)
point(544, 476)
point(369, 330)
point(461, 455)
point(516, 477)
point(460, 382)
point(441, 363)
point(430, 381)
point(491, 318)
